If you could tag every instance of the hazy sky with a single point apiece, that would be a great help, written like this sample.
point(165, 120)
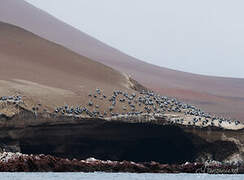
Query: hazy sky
point(199, 36)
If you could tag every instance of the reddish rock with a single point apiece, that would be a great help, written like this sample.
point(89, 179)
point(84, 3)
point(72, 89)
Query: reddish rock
point(17, 162)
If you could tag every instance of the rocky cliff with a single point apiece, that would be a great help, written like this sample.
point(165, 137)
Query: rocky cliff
point(139, 139)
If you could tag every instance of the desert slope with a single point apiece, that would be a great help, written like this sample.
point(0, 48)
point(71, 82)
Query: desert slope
point(48, 73)
point(224, 96)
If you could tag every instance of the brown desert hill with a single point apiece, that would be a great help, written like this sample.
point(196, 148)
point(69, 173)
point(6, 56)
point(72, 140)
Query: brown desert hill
point(50, 74)
point(224, 96)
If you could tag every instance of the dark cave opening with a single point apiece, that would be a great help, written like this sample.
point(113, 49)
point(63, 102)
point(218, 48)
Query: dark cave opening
point(138, 142)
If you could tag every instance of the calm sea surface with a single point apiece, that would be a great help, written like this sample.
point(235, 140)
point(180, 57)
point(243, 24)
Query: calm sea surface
point(114, 176)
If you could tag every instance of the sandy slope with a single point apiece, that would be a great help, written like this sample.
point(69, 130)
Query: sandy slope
point(48, 73)
point(220, 95)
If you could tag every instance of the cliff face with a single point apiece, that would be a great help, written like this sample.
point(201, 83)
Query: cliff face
point(137, 140)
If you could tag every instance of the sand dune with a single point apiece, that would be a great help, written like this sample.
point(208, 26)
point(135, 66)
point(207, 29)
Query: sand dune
point(224, 96)
point(47, 72)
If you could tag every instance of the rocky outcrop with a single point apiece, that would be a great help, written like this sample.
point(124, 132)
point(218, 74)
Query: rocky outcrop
point(138, 140)
point(136, 85)
point(17, 162)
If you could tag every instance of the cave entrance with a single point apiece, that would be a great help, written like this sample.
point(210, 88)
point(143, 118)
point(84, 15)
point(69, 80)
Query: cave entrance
point(111, 141)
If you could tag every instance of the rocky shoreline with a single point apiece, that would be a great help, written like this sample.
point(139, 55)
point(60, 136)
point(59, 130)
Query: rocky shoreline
point(134, 139)
point(17, 162)
point(121, 139)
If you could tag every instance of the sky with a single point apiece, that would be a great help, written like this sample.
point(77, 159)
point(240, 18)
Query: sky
point(198, 36)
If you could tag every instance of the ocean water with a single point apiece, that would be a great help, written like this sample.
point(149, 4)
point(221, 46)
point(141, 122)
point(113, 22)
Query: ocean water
point(114, 176)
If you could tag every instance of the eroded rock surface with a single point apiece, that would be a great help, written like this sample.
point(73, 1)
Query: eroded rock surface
point(138, 140)
point(17, 162)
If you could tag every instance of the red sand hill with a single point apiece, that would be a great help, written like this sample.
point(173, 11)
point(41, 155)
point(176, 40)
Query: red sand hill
point(224, 96)
point(48, 73)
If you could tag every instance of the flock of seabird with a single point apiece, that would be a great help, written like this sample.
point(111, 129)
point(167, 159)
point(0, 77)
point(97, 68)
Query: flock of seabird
point(13, 99)
point(145, 102)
